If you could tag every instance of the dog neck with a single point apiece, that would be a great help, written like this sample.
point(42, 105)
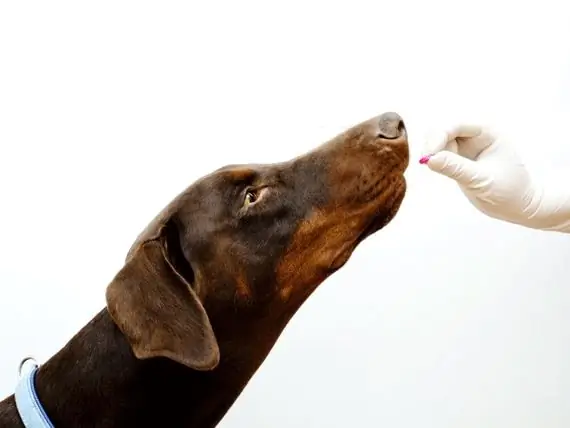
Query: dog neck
point(96, 381)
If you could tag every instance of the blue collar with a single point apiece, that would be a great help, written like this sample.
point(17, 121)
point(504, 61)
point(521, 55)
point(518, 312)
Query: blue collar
point(29, 407)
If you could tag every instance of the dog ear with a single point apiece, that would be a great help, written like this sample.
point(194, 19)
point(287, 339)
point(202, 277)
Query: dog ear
point(159, 312)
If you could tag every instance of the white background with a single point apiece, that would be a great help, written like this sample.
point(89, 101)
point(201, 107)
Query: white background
point(444, 319)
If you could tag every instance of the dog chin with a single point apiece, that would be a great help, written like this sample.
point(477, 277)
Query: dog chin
point(381, 218)
point(386, 213)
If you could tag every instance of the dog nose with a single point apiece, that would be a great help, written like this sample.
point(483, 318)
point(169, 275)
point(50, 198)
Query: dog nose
point(391, 126)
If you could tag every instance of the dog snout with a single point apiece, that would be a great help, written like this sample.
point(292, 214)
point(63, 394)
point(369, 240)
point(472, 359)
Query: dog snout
point(391, 126)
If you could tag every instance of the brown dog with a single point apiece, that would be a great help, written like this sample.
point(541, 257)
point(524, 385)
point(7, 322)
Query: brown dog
point(209, 285)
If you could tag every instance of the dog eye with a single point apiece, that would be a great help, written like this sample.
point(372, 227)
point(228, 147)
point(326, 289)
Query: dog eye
point(250, 198)
point(253, 196)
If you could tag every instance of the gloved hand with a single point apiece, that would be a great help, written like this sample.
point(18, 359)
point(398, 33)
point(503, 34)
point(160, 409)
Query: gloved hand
point(494, 179)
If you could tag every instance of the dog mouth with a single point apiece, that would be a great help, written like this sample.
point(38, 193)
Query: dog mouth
point(384, 215)
point(387, 212)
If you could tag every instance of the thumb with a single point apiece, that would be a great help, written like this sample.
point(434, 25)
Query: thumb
point(465, 171)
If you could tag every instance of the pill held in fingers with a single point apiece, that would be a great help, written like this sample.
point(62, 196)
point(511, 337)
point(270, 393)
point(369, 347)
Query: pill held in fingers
point(424, 159)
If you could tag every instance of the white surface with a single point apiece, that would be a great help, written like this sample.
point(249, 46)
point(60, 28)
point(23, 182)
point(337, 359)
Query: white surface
point(108, 110)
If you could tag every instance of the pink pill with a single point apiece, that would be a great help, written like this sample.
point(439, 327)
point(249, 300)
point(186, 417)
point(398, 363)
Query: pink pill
point(425, 159)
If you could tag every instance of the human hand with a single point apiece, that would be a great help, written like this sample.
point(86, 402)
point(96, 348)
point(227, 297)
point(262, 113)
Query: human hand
point(492, 176)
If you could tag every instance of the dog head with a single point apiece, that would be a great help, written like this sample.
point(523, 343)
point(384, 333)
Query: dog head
point(235, 255)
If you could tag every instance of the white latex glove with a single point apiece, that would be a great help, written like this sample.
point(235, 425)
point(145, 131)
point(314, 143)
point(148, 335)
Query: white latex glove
point(494, 179)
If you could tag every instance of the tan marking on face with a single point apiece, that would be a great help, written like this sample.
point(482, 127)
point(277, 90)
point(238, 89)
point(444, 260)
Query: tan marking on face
point(225, 246)
point(326, 240)
point(315, 245)
point(240, 174)
point(243, 290)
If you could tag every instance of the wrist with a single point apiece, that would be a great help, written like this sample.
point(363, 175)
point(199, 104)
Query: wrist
point(549, 209)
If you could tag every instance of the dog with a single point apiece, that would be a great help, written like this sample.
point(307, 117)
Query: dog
point(210, 284)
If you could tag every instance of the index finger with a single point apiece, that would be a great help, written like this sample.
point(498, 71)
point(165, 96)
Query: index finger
point(439, 141)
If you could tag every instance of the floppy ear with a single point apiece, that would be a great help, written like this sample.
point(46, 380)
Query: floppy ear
point(159, 312)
